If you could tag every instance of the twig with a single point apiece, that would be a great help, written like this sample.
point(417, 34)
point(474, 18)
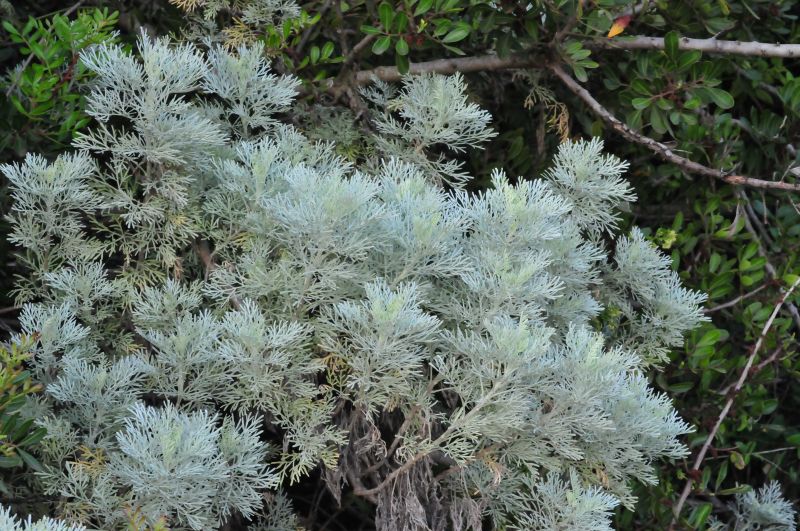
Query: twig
point(766, 361)
point(726, 409)
point(735, 301)
point(67, 13)
point(756, 49)
point(13, 84)
point(204, 252)
point(658, 148)
point(530, 59)
point(360, 490)
point(448, 66)
point(573, 20)
point(491, 395)
point(37, 499)
point(636, 9)
point(527, 60)
point(763, 452)
point(360, 45)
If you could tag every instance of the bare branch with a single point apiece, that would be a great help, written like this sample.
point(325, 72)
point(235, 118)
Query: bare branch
point(642, 42)
point(735, 301)
point(493, 62)
point(770, 359)
point(529, 60)
point(451, 66)
point(665, 152)
point(726, 409)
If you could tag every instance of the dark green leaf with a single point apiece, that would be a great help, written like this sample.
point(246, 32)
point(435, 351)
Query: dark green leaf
point(722, 98)
point(457, 34)
point(327, 50)
point(657, 120)
point(401, 61)
point(688, 58)
point(370, 30)
point(423, 7)
point(401, 47)
point(10, 462)
point(386, 15)
point(30, 460)
point(671, 41)
point(9, 27)
point(680, 388)
point(400, 22)
point(700, 515)
point(33, 438)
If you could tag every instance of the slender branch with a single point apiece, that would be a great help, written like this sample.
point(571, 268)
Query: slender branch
point(573, 20)
point(642, 42)
point(762, 452)
point(663, 151)
point(528, 60)
point(398, 438)
point(360, 45)
point(636, 9)
point(204, 252)
point(736, 301)
point(457, 468)
point(757, 224)
point(490, 396)
point(729, 403)
point(763, 363)
point(464, 65)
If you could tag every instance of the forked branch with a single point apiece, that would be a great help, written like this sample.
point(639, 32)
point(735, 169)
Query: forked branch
point(662, 150)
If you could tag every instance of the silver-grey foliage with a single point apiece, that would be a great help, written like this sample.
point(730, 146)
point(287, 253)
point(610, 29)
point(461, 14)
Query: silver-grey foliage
point(224, 306)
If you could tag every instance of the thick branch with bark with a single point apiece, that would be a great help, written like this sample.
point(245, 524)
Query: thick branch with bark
point(662, 150)
point(751, 49)
point(464, 65)
point(530, 60)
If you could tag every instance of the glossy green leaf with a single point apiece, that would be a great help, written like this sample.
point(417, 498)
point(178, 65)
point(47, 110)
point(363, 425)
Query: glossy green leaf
point(456, 35)
point(671, 42)
point(386, 15)
point(401, 47)
point(423, 7)
point(381, 45)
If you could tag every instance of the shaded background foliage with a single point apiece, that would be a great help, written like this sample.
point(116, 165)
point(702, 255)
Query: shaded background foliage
point(734, 113)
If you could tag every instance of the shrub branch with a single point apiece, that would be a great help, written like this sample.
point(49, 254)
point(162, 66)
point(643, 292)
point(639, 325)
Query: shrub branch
point(750, 49)
point(729, 403)
point(662, 150)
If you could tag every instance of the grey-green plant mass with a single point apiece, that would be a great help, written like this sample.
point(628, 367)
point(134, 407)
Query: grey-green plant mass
point(223, 306)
